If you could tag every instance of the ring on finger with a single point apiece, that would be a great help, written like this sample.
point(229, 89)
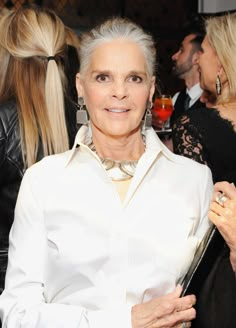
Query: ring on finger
point(221, 198)
point(184, 325)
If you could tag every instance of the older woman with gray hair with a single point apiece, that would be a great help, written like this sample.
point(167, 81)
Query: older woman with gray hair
point(104, 233)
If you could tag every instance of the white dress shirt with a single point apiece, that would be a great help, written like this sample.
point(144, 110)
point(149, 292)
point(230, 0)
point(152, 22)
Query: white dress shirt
point(195, 93)
point(79, 257)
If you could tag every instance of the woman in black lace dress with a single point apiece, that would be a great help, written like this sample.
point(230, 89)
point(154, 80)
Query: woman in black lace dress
point(208, 135)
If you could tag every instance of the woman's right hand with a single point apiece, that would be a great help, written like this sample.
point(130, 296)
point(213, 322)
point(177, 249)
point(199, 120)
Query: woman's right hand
point(224, 216)
point(166, 311)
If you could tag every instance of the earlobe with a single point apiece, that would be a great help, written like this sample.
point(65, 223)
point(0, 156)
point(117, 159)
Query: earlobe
point(220, 69)
point(195, 58)
point(78, 85)
point(219, 65)
point(152, 89)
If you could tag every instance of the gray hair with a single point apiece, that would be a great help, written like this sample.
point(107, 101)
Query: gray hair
point(115, 28)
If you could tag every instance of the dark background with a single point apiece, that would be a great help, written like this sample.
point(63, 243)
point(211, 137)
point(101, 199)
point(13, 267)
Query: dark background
point(163, 18)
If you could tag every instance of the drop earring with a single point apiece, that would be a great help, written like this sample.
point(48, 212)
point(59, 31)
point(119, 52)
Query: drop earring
point(147, 122)
point(218, 85)
point(81, 114)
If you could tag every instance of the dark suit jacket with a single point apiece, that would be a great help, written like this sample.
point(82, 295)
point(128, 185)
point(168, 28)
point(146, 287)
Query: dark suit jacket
point(179, 106)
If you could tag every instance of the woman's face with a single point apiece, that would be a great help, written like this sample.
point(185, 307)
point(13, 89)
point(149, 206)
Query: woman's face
point(116, 88)
point(209, 67)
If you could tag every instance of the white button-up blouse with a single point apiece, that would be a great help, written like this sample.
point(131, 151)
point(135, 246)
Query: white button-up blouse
point(81, 258)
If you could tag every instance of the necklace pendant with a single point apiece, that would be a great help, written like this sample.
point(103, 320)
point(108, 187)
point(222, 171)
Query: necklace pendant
point(117, 175)
point(117, 170)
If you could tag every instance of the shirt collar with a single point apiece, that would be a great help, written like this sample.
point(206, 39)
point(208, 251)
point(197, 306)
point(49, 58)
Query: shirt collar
point(154, 144)
point(84, 137)
point(194, 92)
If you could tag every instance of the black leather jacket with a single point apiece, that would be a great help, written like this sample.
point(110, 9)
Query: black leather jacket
point(11, 163)
point(12, 168)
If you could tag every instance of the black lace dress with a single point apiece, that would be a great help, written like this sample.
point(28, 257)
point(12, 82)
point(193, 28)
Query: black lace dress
point(203, 135)
point(206, 137)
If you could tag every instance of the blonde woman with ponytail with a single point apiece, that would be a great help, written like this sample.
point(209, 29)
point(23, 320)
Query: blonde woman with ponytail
point(32, 88)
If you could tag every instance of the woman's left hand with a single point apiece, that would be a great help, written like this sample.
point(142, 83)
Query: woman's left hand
point(223, 214)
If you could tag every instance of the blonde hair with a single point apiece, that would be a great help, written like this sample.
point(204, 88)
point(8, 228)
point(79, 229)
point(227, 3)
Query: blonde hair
point(115, 28)
point(72, 38)
point(72, 63)
point(221, 33)
point(27, 38)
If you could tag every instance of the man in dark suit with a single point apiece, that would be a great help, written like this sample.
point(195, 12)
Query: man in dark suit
point(186, 67)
